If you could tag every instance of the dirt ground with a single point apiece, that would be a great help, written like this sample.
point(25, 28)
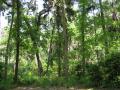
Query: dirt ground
point(57, 88)
point(47, 88)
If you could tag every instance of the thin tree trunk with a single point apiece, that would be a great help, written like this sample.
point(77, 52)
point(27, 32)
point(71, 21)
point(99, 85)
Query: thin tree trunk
point(95, 42)
point(59, 54)
point(40, 68)
point(104, 28)
point(50, 51)
point(17, 40)
point(82, 28)
point(65, 35)
point(8, 43)
point(58, 42)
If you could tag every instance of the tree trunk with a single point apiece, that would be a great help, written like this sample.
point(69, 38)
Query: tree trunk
point(95, 32)
point(59, 54)
point(82, 29)
point(17, 40)
point(65, 35)
point(8, 43)
point(50, 50)
point(58, 42)
point(104, 28)
point(40, 68)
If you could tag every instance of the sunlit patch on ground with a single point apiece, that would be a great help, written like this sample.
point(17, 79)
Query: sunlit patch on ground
point(61, 88)
point(49, 88)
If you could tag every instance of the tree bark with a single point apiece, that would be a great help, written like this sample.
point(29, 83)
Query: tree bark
point(8, 42)
point(59, 54)
point(17, 40)
point(50, 50)
point(40, 68)
point(65, 36)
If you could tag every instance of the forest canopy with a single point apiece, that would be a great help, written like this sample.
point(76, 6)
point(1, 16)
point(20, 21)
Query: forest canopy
point(65, 43)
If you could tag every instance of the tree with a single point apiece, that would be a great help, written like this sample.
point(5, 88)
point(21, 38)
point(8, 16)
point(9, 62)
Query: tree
point(18, 19)
point(65, 36)
point(104, 28)
point(8, 42)
point(82, 31)
point(30, 30)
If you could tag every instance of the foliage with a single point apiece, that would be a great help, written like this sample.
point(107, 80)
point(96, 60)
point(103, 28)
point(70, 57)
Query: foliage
point(95, 74)
point(59, 45)
point(1, 70)
point(112, 73)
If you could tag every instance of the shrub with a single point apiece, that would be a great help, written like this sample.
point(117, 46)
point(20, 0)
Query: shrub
point(112, 70)
point(1, 70)
point(79, 71)
point(95, 74)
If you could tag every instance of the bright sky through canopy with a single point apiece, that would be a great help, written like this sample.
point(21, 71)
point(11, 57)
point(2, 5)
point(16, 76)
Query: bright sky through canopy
point(4, 22)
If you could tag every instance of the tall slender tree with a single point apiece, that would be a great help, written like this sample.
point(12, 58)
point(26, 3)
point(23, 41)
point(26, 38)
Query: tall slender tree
point(65, 36)
point(50, 47)
point(102, 16)
point(30, 30)
point(8, 42)
point(82, 31)
point(18, 19)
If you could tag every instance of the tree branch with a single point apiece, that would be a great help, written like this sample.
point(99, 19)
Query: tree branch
point(8, 4)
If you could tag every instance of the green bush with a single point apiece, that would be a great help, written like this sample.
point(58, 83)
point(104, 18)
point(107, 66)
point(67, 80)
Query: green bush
point(1, 70)
point(79, 71)
point(5, 84)
point(28, 78)
point(95, 74)
point(112, 70)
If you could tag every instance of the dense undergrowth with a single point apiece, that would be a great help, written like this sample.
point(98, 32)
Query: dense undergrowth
point(103, 74)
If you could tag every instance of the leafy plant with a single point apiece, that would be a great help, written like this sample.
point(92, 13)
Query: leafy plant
point(112, 70)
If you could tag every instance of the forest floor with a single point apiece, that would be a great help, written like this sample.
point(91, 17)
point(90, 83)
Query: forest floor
point(47, 88)
point(58, 88)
